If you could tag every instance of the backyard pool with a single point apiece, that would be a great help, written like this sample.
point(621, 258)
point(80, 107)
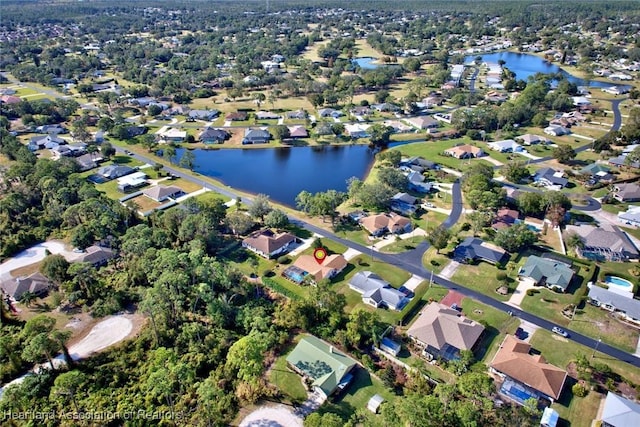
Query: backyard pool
point(618, 283)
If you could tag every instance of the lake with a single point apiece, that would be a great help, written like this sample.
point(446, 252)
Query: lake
point(284, 172)
point(365, 62)
point(525, 65)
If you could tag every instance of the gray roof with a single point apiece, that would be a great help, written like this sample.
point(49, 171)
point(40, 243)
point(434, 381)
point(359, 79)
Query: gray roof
point(203, 114)
point(629, 305)
point(548, 174)
point(114, 171)
point(628, 191)
point(404, 198)
point(621, 161)
point(374, 287)
point(472, 248)
point(35, 283)
point(365, 281)
point(620, 412)
point(555, 273)
point(609, 237)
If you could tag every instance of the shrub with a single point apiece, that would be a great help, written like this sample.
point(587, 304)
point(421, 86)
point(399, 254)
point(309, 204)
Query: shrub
point(532, 292)
point(579, 390)
point(501, 276)
point(284, 260)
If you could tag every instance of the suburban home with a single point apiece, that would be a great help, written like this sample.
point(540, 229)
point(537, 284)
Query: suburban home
point(526, 375)
point(423, 122)
point(10, 99)
point(51, 129)
point(171, 134)
point(35, 283)
point(553, 274)
point(631, 216)
point(269, 244)
point(443, 332)
point(267, 115)
point(550, 178)
point(495, 97)
point(605, 242)
point(465, 151)
point(330, 112)
point(556, 130)
point(88, 161)
point(377, 292)
point(203, 114)
point(306, 265)
point(404, 203)
point(380, 224)
point(143, 101)
point(213, 136)
point(298, 114)
point(360, 111)
point(256, 136)
point(48, 141)
point(417, 164)
point(529, 139)
point(432, 101)
point(385, 107)
point(598, 173)
point(238, 116)
point(160, 193)
point(622, 303)
point(504, 218)
point(473, 249)
point(114, 171)
point(627, 192)
point(96, 255)
point(355, 130)
point(506, 146)
point(134, 180)
point(133, 131)
point(620, 412)
point(298, 131)
point(616, 90)
point(398, 126)
point(327, 369)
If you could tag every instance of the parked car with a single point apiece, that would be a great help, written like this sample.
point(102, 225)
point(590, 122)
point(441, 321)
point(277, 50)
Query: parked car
point(560, 331)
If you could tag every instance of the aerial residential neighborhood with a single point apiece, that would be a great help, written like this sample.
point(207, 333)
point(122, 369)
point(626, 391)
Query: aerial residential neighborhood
point(320, 213)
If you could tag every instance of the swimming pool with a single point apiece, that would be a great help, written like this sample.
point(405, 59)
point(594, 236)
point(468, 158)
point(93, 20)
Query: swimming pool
point(530, 226)
point(619, 282)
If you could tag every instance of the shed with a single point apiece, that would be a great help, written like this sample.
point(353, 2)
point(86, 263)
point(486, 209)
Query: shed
point(374, 403)
point(389, 346)
point(549, 418)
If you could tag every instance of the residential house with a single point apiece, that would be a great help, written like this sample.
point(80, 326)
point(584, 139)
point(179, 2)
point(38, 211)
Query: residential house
point(356, 130)
point(512, 194)
point(465, 151)
point(627, 192)
point(134, 180)
point(251, 79)
point(598, 173)
point(556, 130)
point(327, 369)
point(298, 114)
point(72, 150)
point(298, 131)
point(380, 224)
point(88, 161)
point(267, 115)
point(550, 178)
point(385, 107)
point(398, 126)
point(269, 244)
point(96, 255)
point(443, 332)
point(404, 203)
point(417, 164)
point(39, 142)
point(506, 146)
point(213, 136)
point(605, 242)
point(505, 218)
point(98, 137)
point(473, 249)
point(551, 273)
point(161, 193)
point(377, 292)
point(620, 412)
point(416, 182)
point(51, 129)
point(631, 216)
point(206, 115)
point(495, 97)
point(35, 283)
point(306, 265)
point(114, 171)
point(256, 136)
point(238, 116)
point(529, 139)
point(580, 101)
point(432, 101)
point(616, 90)
point(622, 303)
point(330, 112)
point(10, 99)
point(143, 101)
point(423, 122)
point(360, 111)
point(171, 134)
point(133, 131)
point(526, 375)
point(389, 346)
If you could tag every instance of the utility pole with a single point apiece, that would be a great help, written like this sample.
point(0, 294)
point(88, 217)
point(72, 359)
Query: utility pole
point(596, 348)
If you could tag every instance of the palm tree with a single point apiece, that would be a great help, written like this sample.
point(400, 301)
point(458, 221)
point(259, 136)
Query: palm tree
point(27, 298)
point(574, 241)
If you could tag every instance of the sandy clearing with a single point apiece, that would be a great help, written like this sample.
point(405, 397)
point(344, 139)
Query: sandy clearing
point(101, 336)
point(272, 416)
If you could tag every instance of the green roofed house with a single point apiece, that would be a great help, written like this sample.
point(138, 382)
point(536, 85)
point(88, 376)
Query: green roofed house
point(551, 273)
point(327, 368)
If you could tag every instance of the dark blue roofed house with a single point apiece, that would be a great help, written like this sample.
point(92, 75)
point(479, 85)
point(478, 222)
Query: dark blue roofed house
point(256, 136)
point(133, 131)
point(416, 182)
point(553, 274)
point(473, 249)
point(377, 292)
point(213, 136)
point(404, 203)
point(550, 178)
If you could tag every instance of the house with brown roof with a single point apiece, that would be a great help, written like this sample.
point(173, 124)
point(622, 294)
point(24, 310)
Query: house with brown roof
point(96, 255)
point(443, 332)
point(35, 283)
point(297, 131)
point(306, 265)
point(378, 225)
point(237, 116)
point(505, 218)
point(465, 151)
point(269, 244)
point(526, 374)
point(422, 122)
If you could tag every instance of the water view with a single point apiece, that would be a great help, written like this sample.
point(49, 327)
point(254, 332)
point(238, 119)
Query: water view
point(525, 65)
point(366, 62)
point(284, 172)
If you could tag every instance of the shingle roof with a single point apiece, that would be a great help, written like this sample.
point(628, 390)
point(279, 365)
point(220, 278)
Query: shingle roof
point(95, 255)
point(321, 362)
point(610, 237)
point(321, 271)
point(374, 223)
point(513, 359)
point(620, 412)
point(472, 248)
point(160, 192)
point(266, 241)
point(438, 325)
point(366, 281)
point(556, 273)
point(628, 305)
point(34, 283)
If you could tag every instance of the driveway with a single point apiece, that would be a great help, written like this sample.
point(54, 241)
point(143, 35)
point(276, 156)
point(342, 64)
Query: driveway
point(33, 255)
point(449, 269)
point(281, 415)
point(521, 292)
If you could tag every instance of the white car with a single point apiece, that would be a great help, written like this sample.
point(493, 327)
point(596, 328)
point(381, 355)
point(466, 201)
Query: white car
point(560, 331)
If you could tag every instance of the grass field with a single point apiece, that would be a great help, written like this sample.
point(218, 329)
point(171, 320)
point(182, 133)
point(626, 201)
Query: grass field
point(482, 278)
point(288, 382)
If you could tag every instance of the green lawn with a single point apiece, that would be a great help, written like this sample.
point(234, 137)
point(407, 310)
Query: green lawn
point(403, 245)
point(579, 411)
point(595, 322)
point(288, 382)
point(434, 261)
point(211, 196)
point(331, 247)
point(355, 233)
point(548, 305)
point(482, 278)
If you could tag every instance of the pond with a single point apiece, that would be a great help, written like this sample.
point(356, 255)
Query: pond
point(525, 65)
point(284, 172)
point(366, 62)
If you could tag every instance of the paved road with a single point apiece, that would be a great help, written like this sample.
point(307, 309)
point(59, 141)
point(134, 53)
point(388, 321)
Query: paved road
point(472, 79)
